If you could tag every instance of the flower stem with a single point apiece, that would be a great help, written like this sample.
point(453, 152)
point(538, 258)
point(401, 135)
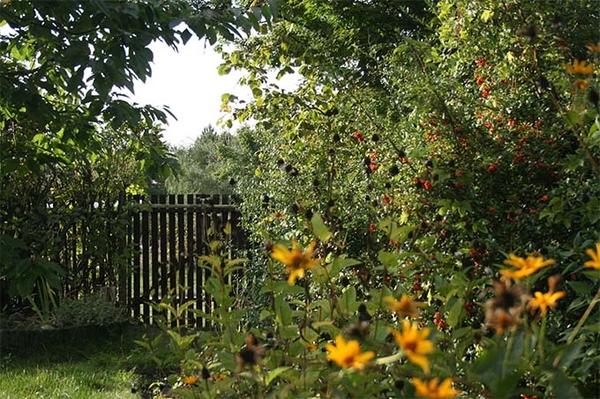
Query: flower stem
point(509, 345)
point(541, 335)
point(389, 359)
point(584, 317)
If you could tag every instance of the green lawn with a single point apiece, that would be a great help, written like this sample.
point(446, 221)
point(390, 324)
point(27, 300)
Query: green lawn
point(101, 369)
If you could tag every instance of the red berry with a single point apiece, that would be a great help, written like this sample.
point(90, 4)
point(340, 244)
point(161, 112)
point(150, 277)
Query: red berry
point(358, 136)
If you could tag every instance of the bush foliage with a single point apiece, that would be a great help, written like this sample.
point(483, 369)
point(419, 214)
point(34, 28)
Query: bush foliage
point(444, 162)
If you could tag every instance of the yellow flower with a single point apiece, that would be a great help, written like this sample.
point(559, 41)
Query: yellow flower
point(432, 390)
point(545, 301)
point(295, 260)
point(525, 267)
point(405, 306)
point(580, 67)
point(219, 377)
point(190, 380)
point(593, 48)
point(347, 354)
point(595, 262)
point(415, 344)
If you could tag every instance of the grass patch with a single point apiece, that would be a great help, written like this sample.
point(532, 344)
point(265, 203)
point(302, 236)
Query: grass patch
point(105, 368)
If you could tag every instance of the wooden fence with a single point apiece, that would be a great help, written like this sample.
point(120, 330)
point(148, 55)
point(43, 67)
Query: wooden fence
point(168, 234)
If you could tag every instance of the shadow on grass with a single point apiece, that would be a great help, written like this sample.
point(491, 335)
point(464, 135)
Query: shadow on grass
point(108, 366)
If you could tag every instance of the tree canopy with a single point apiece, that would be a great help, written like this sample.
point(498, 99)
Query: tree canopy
point(206, 164)
point(71, 141)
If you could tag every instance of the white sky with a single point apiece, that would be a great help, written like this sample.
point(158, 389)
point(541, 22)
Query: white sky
point(187, 82)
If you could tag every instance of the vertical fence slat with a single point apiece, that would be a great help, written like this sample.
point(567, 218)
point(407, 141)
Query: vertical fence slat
point(135, 286)
point(181, 249)
point(207, 300)
point(154, 263)
point(124, 297)
point(190, 255)
point(145, 264)
point(172, 246)
point(164, 256)
point(100, 262)
point(198, 250)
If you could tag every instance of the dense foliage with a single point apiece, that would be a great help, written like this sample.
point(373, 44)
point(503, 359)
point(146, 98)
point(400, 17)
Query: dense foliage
point(205, 165)
point(427, 148)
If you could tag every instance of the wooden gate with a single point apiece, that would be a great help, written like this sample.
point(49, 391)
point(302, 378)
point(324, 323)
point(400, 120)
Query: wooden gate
point(169, 233)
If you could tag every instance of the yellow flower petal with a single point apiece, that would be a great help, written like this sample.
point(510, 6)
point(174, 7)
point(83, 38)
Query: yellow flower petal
point(190, 380)
point(580, 68)
point(415, 344)
point(544, 301)
point(525, 266)
point(405, 306)
point(347, 354)
point(433, 390)
point(595, 262)
point(296, 260)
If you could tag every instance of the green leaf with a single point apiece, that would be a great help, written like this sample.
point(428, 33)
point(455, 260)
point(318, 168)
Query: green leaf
point(487, 15)
point(339, 264)
point(580, 287)
point(348, 300)
point(569, 354)
point(592, 274)
point(256, 92)
point(572, 118)
point(143, 344)
point(281, 287)
point(562, 387)
point(289, 332)
point(455, 312)
point(388, 259)
point(319, 228)
point(224, 69)
point(264, 314)
point(275, 373)
point(185, 35)
point(283, 312)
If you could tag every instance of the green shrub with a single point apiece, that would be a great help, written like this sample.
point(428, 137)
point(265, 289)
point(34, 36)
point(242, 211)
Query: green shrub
point(92, 309)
